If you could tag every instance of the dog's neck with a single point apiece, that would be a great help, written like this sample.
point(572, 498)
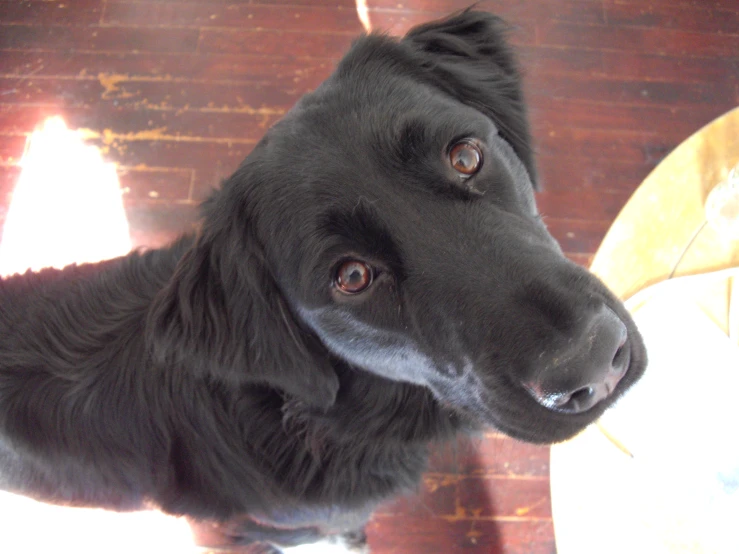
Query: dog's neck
point(371, 408)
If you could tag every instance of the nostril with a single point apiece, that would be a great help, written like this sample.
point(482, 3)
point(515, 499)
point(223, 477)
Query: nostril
point(557, 401)
point(581, 400)
point(620, 358)
point(574, 402)
point(582, 395)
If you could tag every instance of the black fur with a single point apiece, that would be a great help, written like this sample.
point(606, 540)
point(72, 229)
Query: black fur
point(225, 378)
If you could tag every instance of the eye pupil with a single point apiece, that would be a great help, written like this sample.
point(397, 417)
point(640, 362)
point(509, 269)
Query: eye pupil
point(466, 158)
point(353, 276)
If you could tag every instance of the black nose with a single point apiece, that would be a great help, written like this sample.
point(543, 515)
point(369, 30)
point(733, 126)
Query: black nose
point(576, 378)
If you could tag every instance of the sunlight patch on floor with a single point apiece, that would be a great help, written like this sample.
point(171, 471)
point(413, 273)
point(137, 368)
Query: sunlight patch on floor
point(66, 207)
point(32, 527)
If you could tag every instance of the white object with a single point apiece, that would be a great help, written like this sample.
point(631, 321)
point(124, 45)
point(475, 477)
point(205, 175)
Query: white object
point(680, 491)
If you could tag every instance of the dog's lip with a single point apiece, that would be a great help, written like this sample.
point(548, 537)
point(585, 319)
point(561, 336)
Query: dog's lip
point(567, 425)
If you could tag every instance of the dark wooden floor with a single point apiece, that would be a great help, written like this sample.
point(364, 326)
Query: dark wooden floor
point(177, 92)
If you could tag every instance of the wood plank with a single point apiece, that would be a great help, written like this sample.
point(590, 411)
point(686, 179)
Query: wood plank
point(476, 497)
point(575, 172)
point(436, 496)
point(398, 535)
point(346, 4)
point(584, 205)
point(583, 10)
point(161, 184)
point(257, 99)
point(492, 454)
point(635, 92)
point(49, 92)
point(164, 94)
point(248, 68)
point(242, 16)
point(516, 13)
point(575, 235)
point(113, 125)
point(536, 59)
point(674, 42)
point(496, 497)
point(279, 71)
point(703, 18)
point(593, 113)
point(207, 158)
point(11, 148)
point(603, 144)
point(648, 66)
point(269, 42)
point(544, 60)
point(109, 39)
point(532, 11)
point(727, 5)
point(51, 12)
point(156, 224)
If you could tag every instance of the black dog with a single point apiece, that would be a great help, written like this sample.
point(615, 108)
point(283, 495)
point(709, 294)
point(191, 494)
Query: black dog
point(373, 278)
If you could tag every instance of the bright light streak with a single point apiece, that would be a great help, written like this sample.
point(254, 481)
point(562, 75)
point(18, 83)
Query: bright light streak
point(34, 528)
point(66, 206)
point(363, 14)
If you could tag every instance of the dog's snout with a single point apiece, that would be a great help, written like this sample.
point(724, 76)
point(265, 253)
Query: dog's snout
point(588, 370)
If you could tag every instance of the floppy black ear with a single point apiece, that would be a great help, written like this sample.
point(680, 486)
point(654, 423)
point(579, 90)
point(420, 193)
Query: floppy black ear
point(467, 56)
point(222, 315)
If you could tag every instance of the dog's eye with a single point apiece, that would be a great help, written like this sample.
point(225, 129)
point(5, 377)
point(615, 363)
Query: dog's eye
point(353, 277)
point(466, 158)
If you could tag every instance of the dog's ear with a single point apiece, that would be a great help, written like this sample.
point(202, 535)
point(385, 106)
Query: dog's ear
point(467, 56)
point(223, 316)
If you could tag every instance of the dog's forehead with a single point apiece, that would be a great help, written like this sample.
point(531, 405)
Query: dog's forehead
point(347, 138)
point(343, 145)
point(357, 110)
point(350, 129)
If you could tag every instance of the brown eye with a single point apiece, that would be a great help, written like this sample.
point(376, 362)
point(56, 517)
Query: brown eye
point(353, 277)
point(466, 158)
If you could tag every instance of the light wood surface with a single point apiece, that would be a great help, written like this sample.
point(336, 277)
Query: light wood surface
point(662, 230)
point(661, 233)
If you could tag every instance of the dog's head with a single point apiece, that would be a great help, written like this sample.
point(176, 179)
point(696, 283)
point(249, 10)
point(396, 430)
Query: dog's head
point(389, 221)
